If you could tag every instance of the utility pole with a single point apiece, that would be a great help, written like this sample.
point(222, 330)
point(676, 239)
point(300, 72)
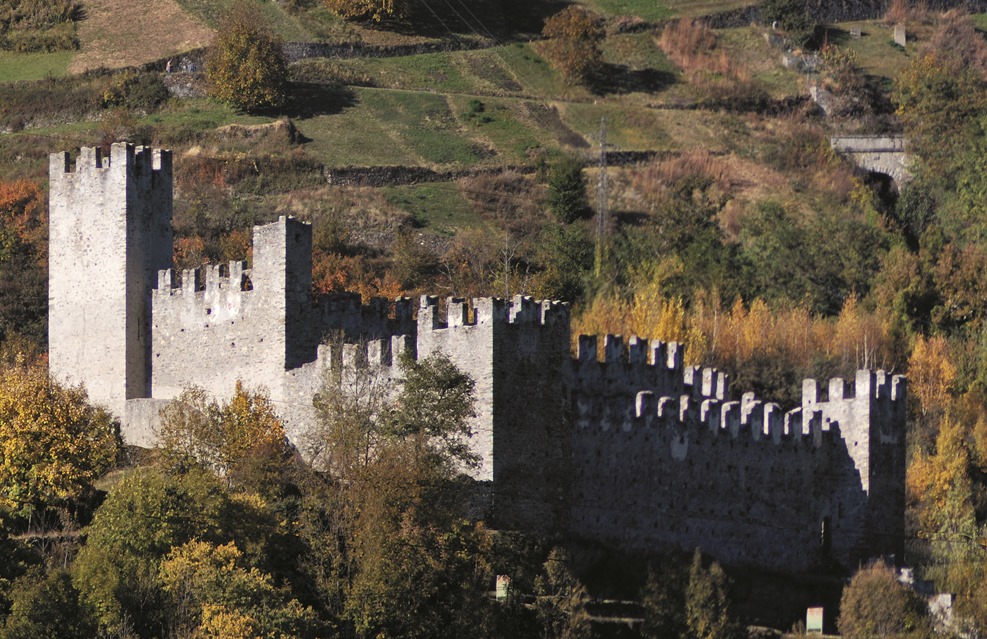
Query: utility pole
point(602, 204)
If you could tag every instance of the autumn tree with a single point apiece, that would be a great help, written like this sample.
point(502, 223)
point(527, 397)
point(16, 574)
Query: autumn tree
point(23, 260)
point(246, 67)
point(574, 36)
point(213, 591)
point(53, 443)
point(226, 437)
point(875, 605)
point(146, 516)
point(373, 10)
point(707, 602)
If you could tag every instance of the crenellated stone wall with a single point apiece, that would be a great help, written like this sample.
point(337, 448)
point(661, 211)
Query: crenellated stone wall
point(619, 443)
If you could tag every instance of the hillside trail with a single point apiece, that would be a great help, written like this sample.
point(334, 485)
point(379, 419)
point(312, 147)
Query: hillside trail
point(120, 33)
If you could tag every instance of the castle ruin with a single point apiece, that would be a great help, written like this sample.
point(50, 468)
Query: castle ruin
point(632, 448)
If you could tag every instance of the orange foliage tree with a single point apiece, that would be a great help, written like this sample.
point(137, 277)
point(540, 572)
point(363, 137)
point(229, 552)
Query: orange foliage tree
point(336, 273)
point(23, 260)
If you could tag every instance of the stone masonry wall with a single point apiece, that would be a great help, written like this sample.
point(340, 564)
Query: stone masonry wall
point(621, 443)
point(740, 479)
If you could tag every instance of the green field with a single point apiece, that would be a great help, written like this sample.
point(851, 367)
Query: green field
point(439, 207)
point(33, 66)
point(653, 10)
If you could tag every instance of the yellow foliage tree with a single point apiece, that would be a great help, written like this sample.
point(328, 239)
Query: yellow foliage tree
point(53, 443)
point(222, 436)
point(939, 486)
point(931, 374)
point(217, 596)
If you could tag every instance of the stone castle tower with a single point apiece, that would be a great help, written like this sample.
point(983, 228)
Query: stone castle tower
point(631, 449)
point(110, 233)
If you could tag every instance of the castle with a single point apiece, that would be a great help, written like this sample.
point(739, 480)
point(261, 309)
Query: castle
point(632, 448)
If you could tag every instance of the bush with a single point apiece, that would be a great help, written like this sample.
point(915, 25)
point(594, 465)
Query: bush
point(136, 91)
point(47, 606)
point(376, 10)
point(876, 605)
point(791, 15)
point(38, 25)
point(246, 68)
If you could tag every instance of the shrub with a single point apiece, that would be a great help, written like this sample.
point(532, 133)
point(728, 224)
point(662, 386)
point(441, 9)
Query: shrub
point(246, 67)
point(375, 10)
point(574, 37)
point(692, 46)
point(903, 11)
point(566, 190)
point(791, 15)
point(876, 605)
point(956, 38)
point(38, 25)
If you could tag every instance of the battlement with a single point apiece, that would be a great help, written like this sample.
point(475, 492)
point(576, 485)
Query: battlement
point(748, 419)
point(136, 161)
point(636, 351)
point(707, 408)
point(372, 353)
point(518, 311)
point(877, 385)
point(207, 278)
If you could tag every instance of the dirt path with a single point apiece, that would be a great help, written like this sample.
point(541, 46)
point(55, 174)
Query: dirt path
point(119, 33)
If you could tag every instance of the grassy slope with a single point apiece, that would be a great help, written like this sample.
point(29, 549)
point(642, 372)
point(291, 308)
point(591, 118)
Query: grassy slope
point(118, 33)
point(489, 107)
point(33, 66)
point(655, 10)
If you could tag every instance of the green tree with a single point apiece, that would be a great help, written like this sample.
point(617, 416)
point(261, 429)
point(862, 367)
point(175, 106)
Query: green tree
point(938, 103)
point(143, 517)
point(53, 442)
point(875, 605)
point(416, 566)
point(566, 254)
point(433, 414)
point(566, 190)
point(47, 605)
point(574, 36)
point(246, 68)
point(561, 599)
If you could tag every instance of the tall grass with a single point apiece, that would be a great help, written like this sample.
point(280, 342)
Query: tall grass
point(711, 70)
